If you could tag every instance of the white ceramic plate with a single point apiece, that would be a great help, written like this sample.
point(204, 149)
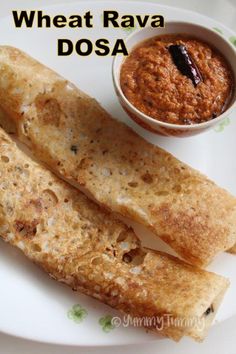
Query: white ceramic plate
point(31, 304)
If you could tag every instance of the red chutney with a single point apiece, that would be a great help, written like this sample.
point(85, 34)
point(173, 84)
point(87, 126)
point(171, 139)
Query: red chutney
point(152, 82)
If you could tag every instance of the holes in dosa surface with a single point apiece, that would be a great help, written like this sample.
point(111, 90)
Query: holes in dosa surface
point(177, 188)
point(135, 256)
point(162, 193)
point(133, 184)
point(26, 228)
point(35, 247)
point(209, 310)
point(49, 198)
point(25, 129)
point(96, 261)
point(147, 178)
point(5, 158)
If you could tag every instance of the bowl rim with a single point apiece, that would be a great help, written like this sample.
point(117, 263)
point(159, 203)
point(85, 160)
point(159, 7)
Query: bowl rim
point(145, 117)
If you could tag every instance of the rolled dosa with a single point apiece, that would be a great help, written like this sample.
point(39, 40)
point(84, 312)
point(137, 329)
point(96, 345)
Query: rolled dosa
point(80, 244)
point(74, 136)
